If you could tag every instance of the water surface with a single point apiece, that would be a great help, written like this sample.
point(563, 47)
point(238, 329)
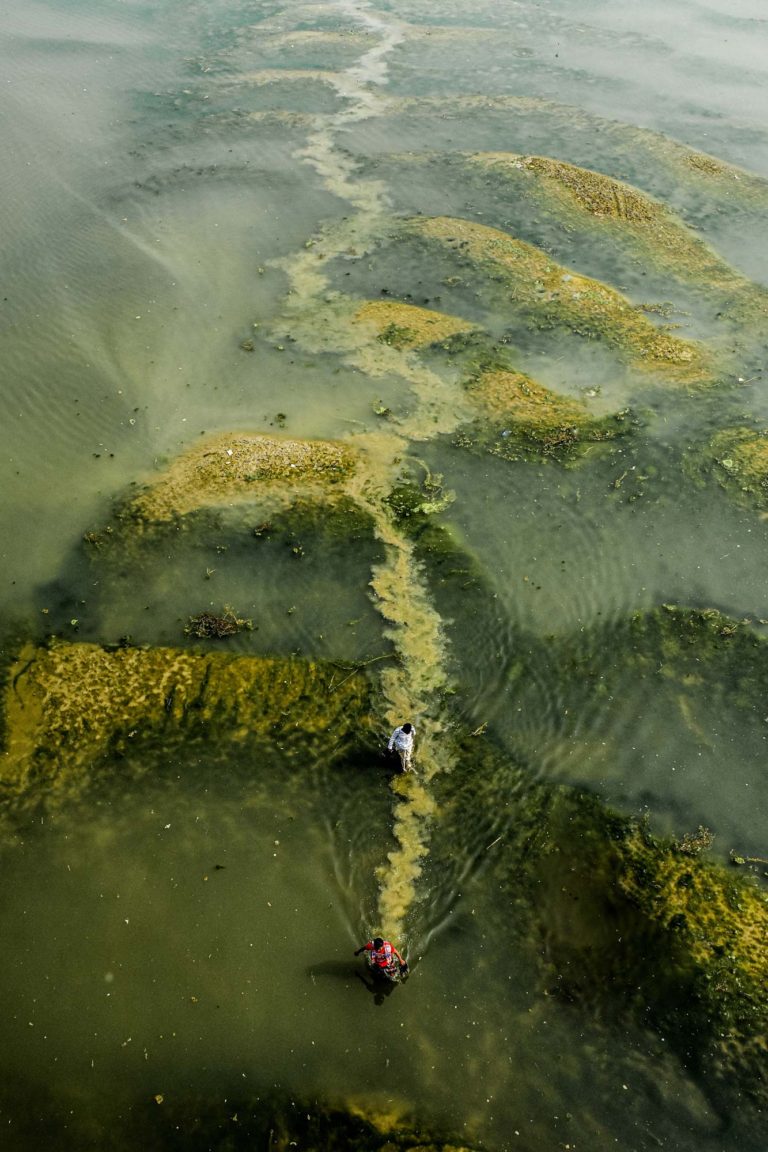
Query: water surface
point(196, 194)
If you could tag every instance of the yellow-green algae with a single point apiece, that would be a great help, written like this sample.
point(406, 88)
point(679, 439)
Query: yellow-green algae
point(526, 409)
point(658, 161)
point(67, 705)
point(676, 937)
point(326, 49)
point(408, 326)
point(713, 659)
point(739, 457)
point(264, 76)
point(233, 466)
point(628, 924)
point(281, 1123)
point(620, 213)
point(600, 196)
point(553, 295)
point(270, 472)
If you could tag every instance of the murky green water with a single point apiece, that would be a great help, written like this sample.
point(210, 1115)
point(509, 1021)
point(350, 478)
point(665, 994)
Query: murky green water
point(197, 198)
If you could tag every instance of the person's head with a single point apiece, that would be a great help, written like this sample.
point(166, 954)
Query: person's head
point(378, 942)
point(407, 727)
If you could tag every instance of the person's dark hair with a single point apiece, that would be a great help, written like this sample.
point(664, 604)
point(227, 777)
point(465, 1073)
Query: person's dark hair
point(378, 942)
point(407, 727)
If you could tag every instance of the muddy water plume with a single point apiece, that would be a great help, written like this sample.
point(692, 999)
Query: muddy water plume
point(412, 689)
point(322, 319)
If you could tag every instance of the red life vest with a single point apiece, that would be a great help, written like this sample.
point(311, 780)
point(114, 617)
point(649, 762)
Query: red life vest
point(383, 957)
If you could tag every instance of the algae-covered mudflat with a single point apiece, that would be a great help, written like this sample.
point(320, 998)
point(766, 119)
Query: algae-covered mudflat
point(366, 361)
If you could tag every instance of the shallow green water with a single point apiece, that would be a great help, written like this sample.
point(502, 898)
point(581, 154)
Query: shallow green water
point(193, 938)
point(197, 193)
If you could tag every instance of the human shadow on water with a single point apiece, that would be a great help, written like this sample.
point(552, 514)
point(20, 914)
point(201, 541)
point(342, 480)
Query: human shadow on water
point(380, 987)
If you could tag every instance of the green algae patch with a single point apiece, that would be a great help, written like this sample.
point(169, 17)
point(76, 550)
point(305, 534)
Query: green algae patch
point(738, 457)
point(671, 638)
point(656, 161)
point(553, 296)
point(635, 929)
point(248, 1121)
point(525, 415)
point(408, 326)
point(615, 213)
point(68, 706)
point(232, 467)
point(716, 660)
point(334, 523)
point(599, 195)
point(677, 939)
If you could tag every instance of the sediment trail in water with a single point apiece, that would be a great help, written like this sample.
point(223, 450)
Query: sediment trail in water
point(322, 319)
point(412, 690)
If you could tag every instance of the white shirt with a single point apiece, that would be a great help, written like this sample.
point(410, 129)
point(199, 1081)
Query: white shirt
point(402, 740)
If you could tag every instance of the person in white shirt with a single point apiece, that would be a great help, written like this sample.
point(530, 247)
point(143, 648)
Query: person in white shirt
point(402, 741)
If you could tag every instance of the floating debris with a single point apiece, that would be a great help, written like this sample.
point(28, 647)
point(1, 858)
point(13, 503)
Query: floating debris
point(207, 625)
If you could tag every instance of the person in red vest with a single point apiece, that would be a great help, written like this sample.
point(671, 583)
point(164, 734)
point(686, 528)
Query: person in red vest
point(383, 957)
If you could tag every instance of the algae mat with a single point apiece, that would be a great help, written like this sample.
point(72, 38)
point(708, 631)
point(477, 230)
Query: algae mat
point(68, 706)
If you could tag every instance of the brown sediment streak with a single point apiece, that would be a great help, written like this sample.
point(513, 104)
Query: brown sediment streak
point(358, 85)
point(399, 877)
point(322, 320)
point(410, 689)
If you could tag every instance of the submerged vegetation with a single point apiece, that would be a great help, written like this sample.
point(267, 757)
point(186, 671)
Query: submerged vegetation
point(234, 467)
point(525, 417)
point(738, 457)
point(552, 296)
point(691, 659)
point(68, 706)
point(408, 326)
point(281, 1124)
point(648, 932)
point(478, 307)
point(672, 936)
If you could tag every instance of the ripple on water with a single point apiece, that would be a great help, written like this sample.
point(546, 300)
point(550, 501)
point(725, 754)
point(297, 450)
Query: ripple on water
point(219, 902)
